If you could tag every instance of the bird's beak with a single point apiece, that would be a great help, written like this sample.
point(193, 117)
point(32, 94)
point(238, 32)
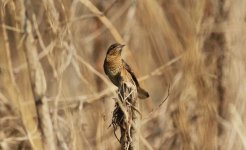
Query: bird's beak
point(121, 46)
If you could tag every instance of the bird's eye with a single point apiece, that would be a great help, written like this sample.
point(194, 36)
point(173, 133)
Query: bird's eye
point(113, 46)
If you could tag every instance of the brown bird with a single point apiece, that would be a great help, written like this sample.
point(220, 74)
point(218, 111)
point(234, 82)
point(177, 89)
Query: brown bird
point(118, 70)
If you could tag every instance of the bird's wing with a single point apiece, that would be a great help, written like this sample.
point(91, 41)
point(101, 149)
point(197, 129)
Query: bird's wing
point(128, 68)
point(141, 92)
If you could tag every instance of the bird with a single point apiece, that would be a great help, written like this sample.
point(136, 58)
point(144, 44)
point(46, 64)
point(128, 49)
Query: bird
point(119, 71)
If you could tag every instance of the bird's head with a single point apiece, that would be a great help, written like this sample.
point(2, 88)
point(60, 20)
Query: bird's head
point(115, 49)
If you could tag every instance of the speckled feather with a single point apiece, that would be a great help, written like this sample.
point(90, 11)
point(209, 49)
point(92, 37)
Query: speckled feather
point(119, 71)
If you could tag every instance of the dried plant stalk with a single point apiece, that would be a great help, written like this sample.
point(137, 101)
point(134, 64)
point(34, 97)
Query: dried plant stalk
point(105, 21)
point(39, 88)
point(22, 95)
point(6, 73)
point(126, 116)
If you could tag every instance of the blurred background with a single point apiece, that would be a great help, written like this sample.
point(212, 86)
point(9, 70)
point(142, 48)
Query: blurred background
point(55, 95)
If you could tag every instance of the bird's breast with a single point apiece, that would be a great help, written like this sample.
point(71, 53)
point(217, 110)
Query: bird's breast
point(114, 65)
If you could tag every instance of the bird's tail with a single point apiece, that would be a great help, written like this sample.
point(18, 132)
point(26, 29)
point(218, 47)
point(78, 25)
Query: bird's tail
point(142, 94)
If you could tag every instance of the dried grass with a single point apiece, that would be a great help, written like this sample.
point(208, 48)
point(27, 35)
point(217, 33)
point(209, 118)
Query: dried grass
point(54, 94)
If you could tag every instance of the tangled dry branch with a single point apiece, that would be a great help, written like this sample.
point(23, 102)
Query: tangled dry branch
point(126, 116)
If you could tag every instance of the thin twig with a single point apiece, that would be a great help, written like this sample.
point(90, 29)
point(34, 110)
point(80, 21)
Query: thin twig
point(109, 7)
point(111, 88)
point(159, 106)
point(41, 55)
point(114, 18)
point(80, 59)
point(158, 71)
point(104, 20)
point(122, 107)
point(12, 28)
point(134, 108)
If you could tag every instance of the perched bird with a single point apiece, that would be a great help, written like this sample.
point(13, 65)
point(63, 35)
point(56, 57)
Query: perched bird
point(118, 70)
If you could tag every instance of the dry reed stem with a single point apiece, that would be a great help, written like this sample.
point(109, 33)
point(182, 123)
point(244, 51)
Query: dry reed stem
point(80, 59)
point(126, 117)
point(158, 29)
point(82, 78)
point(116, 17)
point(11, 28)
point(28, 109)
point(24, 96)
point(234, 72)
point(39, 88)
point(237, 124)
point(45, 50)
point(195, 92)
point(146, 143)
point(6, 70)
point(41, 55)
point(104, 20)
point(53, 15)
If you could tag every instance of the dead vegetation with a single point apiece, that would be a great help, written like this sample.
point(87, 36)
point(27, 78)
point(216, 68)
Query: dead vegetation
point(54, 94)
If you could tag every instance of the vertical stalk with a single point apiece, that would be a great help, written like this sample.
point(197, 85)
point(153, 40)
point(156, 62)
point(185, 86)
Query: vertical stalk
point(126, 116)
